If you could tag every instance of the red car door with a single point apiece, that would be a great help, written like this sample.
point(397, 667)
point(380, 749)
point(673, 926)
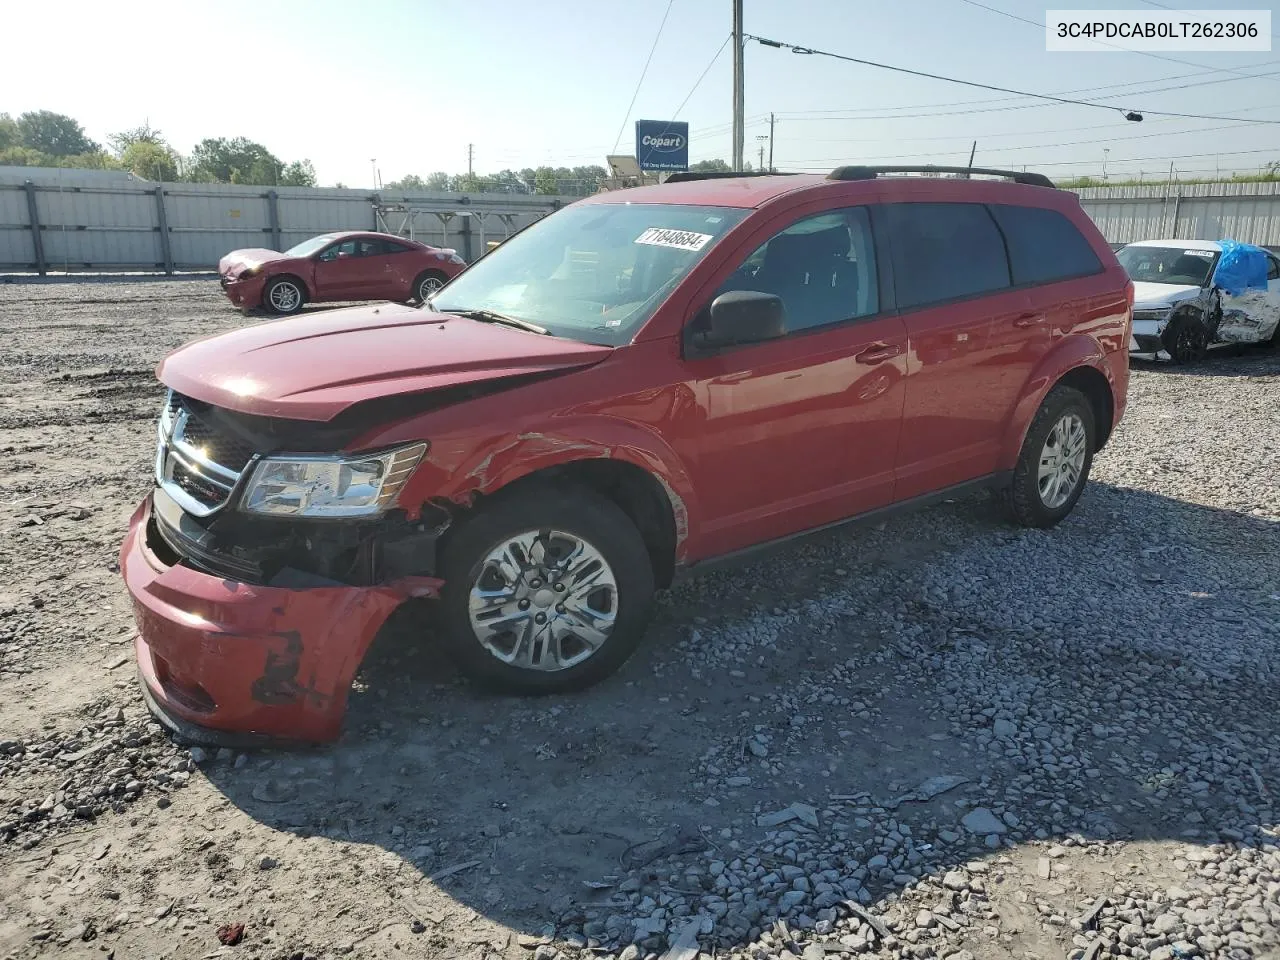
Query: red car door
point(967, 328)
point(801, 431)
point(354, 269)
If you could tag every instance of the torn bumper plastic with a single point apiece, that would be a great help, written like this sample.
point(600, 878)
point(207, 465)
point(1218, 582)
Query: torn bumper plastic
point(222, 660)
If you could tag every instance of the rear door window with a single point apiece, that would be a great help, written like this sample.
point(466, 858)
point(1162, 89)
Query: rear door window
point(1044, 245)
point(945, 251)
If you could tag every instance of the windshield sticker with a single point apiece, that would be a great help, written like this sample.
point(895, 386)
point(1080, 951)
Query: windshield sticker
point(1198, 253)
point(677, 239)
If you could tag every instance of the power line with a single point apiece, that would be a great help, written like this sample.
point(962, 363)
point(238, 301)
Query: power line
point(1113, 46)
point(702, 76)
point(644, 70)
point(812, 51)
point(1077, 163)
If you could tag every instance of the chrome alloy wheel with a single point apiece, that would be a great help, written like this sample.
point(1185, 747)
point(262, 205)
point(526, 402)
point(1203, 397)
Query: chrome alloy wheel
point(429, 286)
point(543, 600)
point(1062, 461)
point(285, 297)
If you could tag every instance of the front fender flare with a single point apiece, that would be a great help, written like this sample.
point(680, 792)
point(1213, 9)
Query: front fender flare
point(515, 456)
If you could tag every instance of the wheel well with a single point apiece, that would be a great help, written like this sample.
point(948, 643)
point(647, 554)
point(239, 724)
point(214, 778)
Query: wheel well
point(639, 494)
point(290, 276)
point(1098, 391)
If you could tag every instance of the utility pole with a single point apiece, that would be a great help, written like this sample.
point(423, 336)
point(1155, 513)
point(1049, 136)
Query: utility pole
point(771, 143)
point(761, 166)
point(373, 165)
point(737, 86)
point(471, 150)
point(1105, 151)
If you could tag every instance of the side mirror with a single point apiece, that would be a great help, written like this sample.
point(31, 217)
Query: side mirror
point(739, 318)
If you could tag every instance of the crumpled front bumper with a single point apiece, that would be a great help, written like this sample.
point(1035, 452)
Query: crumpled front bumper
point(223, 662)
point(1147, 336)
point(245, 294)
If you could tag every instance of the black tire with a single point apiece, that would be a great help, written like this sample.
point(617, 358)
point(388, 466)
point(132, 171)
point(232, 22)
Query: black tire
point(293, 305)
point(1186, 339)
point(580, 513)
point(427, 277)
point(1026, 502)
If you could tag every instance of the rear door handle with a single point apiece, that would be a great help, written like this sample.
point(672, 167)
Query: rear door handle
point(1028, 319)
point(879, 353)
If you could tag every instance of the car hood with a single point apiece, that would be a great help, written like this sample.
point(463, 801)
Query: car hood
point(314, 367)
point(1153, 295)
point(237, 260)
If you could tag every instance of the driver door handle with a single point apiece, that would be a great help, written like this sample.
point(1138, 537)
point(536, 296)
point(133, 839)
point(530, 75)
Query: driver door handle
point(1028, 319)
point(879, 353)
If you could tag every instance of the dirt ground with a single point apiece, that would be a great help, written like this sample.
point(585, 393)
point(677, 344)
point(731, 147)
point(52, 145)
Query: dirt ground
point(1101, 697)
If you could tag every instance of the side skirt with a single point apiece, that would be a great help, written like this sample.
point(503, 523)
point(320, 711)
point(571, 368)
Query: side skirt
point(993, 481)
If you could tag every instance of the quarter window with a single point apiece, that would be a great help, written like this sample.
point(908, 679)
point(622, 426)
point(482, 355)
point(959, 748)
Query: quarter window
point(1044, 246)
point(823, 268)
point(945, 251)
point(1273, 268)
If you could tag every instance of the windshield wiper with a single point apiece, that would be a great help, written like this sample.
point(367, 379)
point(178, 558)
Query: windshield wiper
point(488, 316)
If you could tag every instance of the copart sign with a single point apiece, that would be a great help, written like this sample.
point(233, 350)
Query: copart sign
point(662, 145)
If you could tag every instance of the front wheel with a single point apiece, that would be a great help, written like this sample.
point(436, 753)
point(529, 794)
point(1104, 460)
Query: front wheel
point(1057, 453)
point(1186, 339)
point(546, 591)
point(283, 295)
point(427, 284)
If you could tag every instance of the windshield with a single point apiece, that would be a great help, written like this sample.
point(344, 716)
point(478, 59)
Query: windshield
point(593, 272)
point(1167, 264)
point(307, 247)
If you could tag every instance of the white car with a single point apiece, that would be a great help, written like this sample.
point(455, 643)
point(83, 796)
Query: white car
point(1178, 313)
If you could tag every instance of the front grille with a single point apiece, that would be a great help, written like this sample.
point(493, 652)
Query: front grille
point(232, 452)
point(196, 464)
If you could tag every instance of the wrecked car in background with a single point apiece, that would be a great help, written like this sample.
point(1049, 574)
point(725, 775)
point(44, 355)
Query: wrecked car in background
point(1181, 305)
point(637, 384)
point(337, 267)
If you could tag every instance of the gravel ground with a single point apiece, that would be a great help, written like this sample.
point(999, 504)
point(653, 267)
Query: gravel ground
point(936, 737)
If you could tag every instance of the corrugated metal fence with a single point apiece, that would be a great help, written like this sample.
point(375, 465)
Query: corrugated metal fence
point(1248, 212)
point(89, 220)
point(56, 220)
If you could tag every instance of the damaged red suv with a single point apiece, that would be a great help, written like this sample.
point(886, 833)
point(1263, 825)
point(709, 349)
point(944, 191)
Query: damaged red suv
point(636, 385)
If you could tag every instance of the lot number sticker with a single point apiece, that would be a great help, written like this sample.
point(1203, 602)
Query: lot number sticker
point(679, 239)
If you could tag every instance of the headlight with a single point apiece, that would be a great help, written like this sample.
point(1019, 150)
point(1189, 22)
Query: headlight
point(1153, 313)
point(250, 272)
point(454, 258)
point(330, 486)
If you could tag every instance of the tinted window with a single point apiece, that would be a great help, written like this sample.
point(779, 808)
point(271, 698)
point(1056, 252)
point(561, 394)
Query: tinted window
point(393, 247)
point(1273, 268)
point(943, 251)
point(369, 248)
point(1044, 245)
point(347, 246)
point(822, 267)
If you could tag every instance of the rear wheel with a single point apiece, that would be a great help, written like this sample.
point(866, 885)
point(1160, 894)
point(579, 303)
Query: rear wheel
point(1057, 453)
point(1186, 339)
point(283, 295)
point(545, 591)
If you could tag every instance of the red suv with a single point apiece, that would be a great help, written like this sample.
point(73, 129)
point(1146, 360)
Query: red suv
point(630, 387)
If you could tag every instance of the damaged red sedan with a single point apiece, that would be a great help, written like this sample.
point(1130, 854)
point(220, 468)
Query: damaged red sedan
point(337, 267)
point(634, 386)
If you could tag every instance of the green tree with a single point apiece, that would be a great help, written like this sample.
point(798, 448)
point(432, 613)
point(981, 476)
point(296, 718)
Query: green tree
point(300, 173)
point(19, 156)
point(53, 133)
point(410, 182)
point(151, 161)
point(710, 166)
point(9, 134)
point(235, 160)
point(122, 141)
point(439, 181)
point(544, 181)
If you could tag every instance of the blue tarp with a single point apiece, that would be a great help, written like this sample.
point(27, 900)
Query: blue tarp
point(1241, 267)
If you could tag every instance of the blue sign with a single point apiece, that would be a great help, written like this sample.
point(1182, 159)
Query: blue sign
point(662, 145)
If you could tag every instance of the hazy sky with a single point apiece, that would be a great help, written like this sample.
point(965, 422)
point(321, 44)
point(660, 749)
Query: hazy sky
point(413, 82)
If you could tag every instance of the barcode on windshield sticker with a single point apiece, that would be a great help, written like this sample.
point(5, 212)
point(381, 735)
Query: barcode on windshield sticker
point(1197, 253)
point(679, 239)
